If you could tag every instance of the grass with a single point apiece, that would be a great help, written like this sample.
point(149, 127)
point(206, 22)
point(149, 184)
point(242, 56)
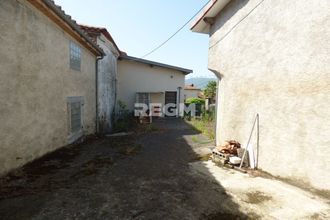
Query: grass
point(197, 140)
point(203, 126)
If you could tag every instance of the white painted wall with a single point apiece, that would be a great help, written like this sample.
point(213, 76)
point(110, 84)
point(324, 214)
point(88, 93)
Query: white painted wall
point(191, 93)
point(274, 60)
point(136, 77)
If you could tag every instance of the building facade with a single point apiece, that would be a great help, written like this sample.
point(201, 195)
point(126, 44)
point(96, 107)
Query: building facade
point(150, 82)
point(271, 58)
point(191, 91)
point(106, 77)
point(47, 81)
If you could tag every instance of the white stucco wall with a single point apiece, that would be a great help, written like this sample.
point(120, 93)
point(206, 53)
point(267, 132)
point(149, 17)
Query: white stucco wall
point(107, 78)
point(191, 93)
point(274, 60)
point(136, 77)
point(35, 81)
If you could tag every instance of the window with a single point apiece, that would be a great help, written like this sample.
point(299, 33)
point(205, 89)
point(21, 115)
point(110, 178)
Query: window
point(75, 120)
point(75, 56)
point(75, 109)
point(142, 98)
point(142, 101)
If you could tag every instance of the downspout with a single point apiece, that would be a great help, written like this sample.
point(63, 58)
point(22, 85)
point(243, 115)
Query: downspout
point(219, 78)
point(116, 91)
point(216, 112)
point(179, 100)
point(97, 93)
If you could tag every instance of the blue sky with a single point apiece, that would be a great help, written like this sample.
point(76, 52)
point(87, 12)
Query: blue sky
point(138, 26)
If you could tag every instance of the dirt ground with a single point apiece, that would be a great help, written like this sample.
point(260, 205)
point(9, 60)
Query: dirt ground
point(156, 173)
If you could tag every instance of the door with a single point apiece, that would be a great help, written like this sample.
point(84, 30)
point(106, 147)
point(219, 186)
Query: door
point(171, 99)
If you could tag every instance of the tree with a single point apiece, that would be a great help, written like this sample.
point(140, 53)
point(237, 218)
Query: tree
point(210, 90)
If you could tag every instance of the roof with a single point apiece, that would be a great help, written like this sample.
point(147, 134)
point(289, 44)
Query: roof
point(205, 19)
point(92, 30)
point(152, 63)
point(58, 16)
point(191, 87)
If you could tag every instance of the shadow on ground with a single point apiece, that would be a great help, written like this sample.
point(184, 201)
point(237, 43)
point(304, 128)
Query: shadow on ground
point(143, 176)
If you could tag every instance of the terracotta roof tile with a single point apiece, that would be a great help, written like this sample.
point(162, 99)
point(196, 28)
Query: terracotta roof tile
point(95, 31)
point(191, 87)
point(71, 22)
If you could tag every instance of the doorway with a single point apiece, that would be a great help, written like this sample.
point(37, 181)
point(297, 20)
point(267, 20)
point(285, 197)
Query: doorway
point(171, 98)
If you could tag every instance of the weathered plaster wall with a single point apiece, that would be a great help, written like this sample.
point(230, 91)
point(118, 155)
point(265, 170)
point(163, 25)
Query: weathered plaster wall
point(35, 80)
point(107, 78)
point(136, 77)
point(274, 60)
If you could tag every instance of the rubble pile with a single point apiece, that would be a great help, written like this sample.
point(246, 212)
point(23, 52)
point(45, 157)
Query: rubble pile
point(229, 147)
point(227, 153)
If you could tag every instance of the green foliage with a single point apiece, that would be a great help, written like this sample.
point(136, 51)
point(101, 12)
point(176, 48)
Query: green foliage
point(210, 89)
point(205, 127)
point(123, 118)
point(195, 101)
point(205, 123)
point(208, 115)
point(122, 105)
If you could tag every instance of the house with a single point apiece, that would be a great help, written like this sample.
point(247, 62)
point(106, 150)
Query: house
point(191, 91)
point(145, 81)
point(272, 59)
point(47, 81)
point(106, 77)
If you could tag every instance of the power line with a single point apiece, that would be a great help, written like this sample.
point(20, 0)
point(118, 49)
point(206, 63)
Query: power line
point(241, 20)
point(162, 44)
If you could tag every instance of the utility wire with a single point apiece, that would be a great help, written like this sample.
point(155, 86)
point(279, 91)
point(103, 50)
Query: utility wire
point(162, 44)
point(238, 23)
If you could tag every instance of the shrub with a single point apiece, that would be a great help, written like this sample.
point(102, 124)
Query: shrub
point(195, 101)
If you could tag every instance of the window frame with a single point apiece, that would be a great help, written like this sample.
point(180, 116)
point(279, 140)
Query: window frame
point(74, 135)
point(75, 54)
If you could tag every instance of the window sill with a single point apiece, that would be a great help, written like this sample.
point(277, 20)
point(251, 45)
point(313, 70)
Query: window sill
point(75, 136)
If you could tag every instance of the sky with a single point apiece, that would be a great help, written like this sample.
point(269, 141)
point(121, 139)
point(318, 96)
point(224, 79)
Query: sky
point(139, 26)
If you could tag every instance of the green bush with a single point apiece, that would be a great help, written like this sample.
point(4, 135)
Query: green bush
point(208, 115)
point(195, 101)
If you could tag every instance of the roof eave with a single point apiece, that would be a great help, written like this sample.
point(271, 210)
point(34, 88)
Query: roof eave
point(97, 31)
point(56, 14)
point(149, 62)
point(211, 10)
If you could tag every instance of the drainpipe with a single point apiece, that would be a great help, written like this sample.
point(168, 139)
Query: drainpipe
point(219, 78)
point(116, 91)
point(179, 100)
point(97, 94)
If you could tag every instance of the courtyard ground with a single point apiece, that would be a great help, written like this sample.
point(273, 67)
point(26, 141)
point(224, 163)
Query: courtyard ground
point(158, 172)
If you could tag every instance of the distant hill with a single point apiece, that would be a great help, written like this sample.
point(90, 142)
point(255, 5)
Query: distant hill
point(199, 82)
